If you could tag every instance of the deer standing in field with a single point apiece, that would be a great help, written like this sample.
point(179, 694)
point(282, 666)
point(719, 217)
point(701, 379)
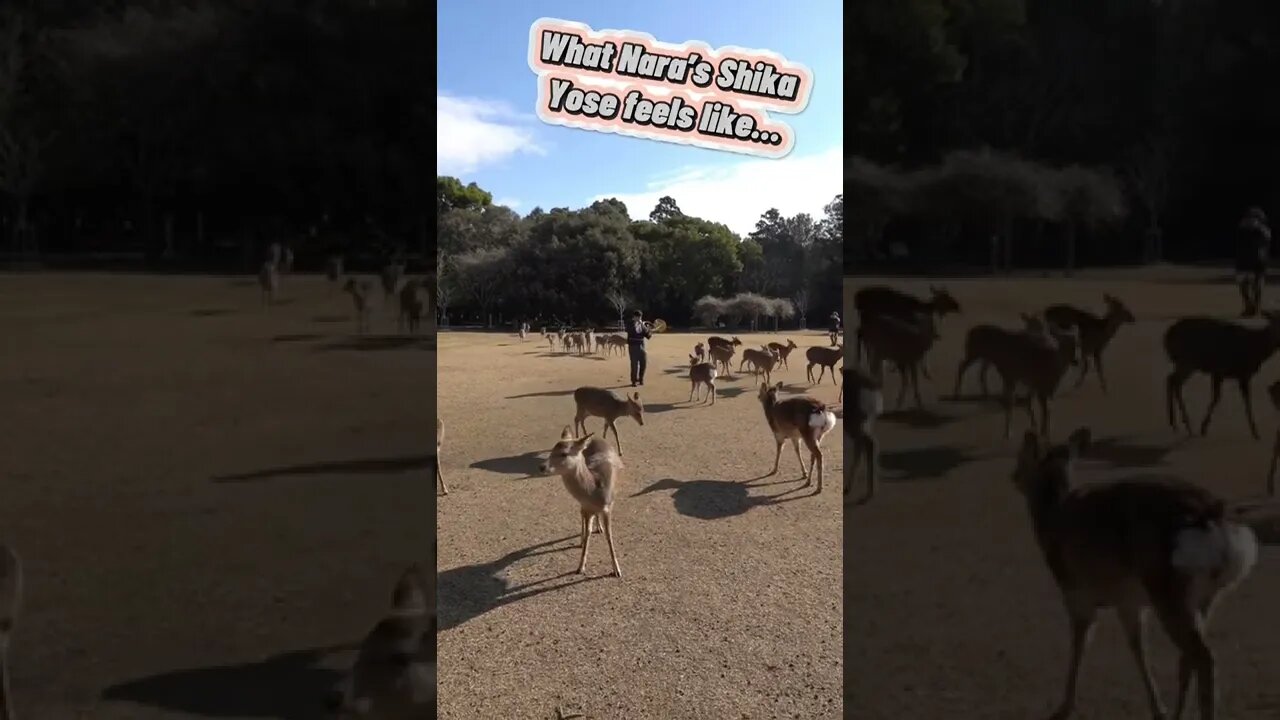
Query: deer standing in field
point(269, 281)
point(825, 358)
point(392, 274)
point(359, 292)
point(394, 674)
point(11, 590)
point(715, 340)
point(887, 301)
point(1095, 332)
point(591, 471)
point(702, 373)
point(762, 361)
point(985, 343)
point(902, 343)
point(411, 305)
point(796, 419)
point(551, 340)
point(783, 351)
point(721, 355)
point(700, 352)
point(601, 403)
point(1222, 350)
point(868, 404)
point(444, 489)
point(1134, 545)
point(1037, 362)
point(619, 343)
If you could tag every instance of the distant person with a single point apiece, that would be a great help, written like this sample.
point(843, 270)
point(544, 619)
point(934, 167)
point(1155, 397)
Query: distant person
point(834, 328)
point(1253, 251)
point(637, 333)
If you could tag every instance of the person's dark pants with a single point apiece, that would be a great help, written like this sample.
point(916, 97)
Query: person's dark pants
point(1251, 277)
point(639, 359)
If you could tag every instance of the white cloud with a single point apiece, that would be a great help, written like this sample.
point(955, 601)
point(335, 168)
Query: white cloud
point(738, 194)
point(471, 132)
point(512, 203)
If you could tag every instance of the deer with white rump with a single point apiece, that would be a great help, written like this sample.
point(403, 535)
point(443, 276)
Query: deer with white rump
point(591, 471)
point(798, 419)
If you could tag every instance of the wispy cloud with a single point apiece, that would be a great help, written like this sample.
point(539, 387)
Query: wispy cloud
point(472, 132)
point(738, 194)
point(510, 202)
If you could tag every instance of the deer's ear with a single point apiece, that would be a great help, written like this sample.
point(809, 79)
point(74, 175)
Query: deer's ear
point(567, 434)
point(581, 443)
point(1079, 441)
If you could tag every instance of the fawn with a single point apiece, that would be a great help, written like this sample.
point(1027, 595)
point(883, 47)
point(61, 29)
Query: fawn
point(702, 373)
point(394, 674)
point(590, 470)
point(601, 403)
point(782, 351)
point(762, 361)
point(360, 298)
point(858, 421)
point(444, 489)
point(11, 582)
point(796, 419)
point(1134, 545)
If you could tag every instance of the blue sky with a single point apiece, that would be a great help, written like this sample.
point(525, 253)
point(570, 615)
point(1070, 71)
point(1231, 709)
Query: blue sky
point(488, 133)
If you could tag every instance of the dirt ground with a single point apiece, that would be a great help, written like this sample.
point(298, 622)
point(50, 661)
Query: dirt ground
point(949, 609)
point(212, 501)
point(730, 602)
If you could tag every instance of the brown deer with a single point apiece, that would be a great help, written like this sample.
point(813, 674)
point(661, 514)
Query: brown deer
point(1037, 362)
point(795, 419)
point(983, 343)
point(858, 421)
point(394, 674)
point(700, 351)
point(359, 292)
point(886, 301)
point(444, 489)
point(1134, 545)
point(702, 373)
point(591, 471)
point(721, 355)
point(269, 281)
point(715, 340)
point(783, 351)
point(11, 590)
point(1222, 350)
point(762, 361)
point(601, 403)
point(903, 343)
point(1095, 332)
point(825, 358)
point(411, 305)
point(391, 275)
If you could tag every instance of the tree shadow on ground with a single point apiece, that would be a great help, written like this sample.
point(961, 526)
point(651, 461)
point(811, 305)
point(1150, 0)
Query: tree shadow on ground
point(289, 686)
point(919, 418)
point(524, 464)
point(212, 312)
point(296, 337)
point(719, 499)
point(470, 591)
point(924, 463)
point(371, 466)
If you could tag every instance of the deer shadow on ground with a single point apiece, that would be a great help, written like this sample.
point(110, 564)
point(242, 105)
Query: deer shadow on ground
point(331, 319)
point(470, 591)
point(571, 355)
point(720, 499)
point(373, 343)
point(548, 393)
point(288, 686)
point(930, 462)
point(1121, 453)
point(918, 418)
point(370, 466)
point(525, 464)
point(211, 312)
point(296, 337)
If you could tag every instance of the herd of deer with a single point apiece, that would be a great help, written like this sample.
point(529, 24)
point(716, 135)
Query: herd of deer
point(1135, 545)
point(582, 342)
point(404, 294)
point(591, 469)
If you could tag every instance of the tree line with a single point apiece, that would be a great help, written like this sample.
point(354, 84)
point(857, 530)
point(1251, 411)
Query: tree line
point(1154, 110)
point(594, 264)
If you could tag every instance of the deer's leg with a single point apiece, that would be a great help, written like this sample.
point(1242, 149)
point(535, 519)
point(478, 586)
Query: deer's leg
point(693, 385)
point(1248, 406)
point(816, 464)
point(1216, 394)
point(1131, 618)
point(1271, 474)
point(777, 456)
point(915, 384)
point(902, 388)
point(586, 539)
point(607, 518)
point(982, 378)
point(1176, 380)
point(1097, 366)
point(1082, 621)
point(805, 473)
point(1185, 627)
point(852, 471)
point(924, 367)
point(616, 438)
point(965, 362)
point(440, 476)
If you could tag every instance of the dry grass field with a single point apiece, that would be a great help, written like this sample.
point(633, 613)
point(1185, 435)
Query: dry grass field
point(949, 608)
point(730, 602)
point(212, 500)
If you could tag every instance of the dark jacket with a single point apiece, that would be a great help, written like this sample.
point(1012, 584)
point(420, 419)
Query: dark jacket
point(637, 333)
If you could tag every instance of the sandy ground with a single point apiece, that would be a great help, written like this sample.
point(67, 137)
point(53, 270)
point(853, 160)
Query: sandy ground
point(730, 602)
point(212, 501)
point(949, 609)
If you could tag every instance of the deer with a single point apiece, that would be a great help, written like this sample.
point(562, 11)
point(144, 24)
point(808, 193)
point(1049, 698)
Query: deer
point(762, 361)
point(700, 351)
point(411, 305)
point(359, 292)
point(269, 281)
point(884, 300)
point(783, 351)
point(858, 421)
point(1133, 545)
point(715, 340)
point(551, 339)
point(286, 260)
point(601, 403)
point(394, 674)
point(795, 419)
point(1223, 350)
point(588, 342)
point(984, 342)
point(903, 343)
point(333, 269)
point(1037, 362)
point(444, 489)
point(1095, 332)
point(391, 275)
point(702, 373)
point(591, 471)
point(617, 342)
point(721, 355)
point(11, 592)
point(824, 357)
